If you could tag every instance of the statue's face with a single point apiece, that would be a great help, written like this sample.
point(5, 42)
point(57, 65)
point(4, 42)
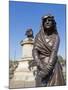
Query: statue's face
point(48, 23)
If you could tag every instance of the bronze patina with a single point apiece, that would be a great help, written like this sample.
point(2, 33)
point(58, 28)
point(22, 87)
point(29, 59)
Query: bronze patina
point(46, 44)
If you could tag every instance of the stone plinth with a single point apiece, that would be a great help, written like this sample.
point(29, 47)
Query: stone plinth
point(23, 77)
point(27, 46)
point(23, 72)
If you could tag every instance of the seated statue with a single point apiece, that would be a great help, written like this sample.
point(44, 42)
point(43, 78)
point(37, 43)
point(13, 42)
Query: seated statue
point(46, 44)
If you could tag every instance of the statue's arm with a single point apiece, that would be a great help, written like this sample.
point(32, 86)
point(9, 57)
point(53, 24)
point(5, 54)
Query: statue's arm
point(53, 56)
point(54, 50)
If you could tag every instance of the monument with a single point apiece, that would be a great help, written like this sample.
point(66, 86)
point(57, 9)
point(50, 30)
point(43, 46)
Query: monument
point(23, 76)
point(39, 65)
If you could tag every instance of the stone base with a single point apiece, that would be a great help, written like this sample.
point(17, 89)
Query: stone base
point(21, 84)
point(23, 77)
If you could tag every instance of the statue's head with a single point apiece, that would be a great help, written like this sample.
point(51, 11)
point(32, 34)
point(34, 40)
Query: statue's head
point(29, 33)
point(48, 22)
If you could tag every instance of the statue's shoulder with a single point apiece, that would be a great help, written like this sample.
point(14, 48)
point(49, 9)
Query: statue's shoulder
point(37, 35)
point(57, 38)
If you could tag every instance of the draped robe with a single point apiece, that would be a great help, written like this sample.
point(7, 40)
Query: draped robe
point(45, 54)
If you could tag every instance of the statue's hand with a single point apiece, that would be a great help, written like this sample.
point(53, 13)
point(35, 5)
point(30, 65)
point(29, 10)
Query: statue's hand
point(38, 63)
point(51, 65)
point(41, 74)
point(45, 70)
point(32, 63)
point(48, 68)
point(41, 66)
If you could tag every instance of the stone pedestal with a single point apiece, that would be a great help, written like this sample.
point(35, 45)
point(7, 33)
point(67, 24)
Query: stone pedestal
point(27, 46)
point(23, 77)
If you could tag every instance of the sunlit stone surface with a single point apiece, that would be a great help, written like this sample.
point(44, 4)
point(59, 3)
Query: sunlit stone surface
point(23, 77)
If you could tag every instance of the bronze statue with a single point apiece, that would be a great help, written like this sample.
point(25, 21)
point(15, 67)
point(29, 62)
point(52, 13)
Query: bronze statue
point(29, 33)
point(46, 44)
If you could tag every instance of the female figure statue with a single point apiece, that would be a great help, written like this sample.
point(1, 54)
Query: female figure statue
point(46, 44)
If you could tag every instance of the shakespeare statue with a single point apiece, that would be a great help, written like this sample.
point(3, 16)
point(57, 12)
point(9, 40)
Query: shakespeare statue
point(29, 33)
point(46, 44)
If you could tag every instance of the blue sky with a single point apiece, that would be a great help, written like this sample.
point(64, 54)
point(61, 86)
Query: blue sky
point(23, 15)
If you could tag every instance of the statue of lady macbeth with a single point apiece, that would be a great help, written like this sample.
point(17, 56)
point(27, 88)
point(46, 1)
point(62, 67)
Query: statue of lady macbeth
point(46, 44)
